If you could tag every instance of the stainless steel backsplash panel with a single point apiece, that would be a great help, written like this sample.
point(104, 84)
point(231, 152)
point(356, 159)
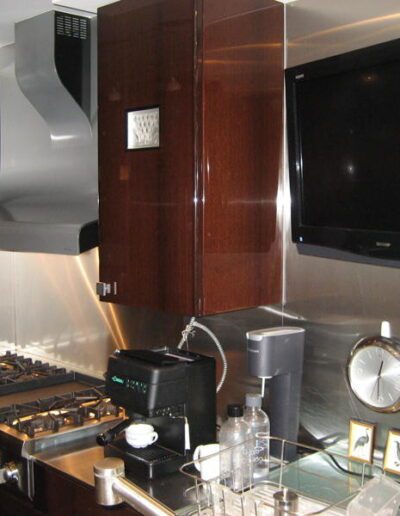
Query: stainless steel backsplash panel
point(49, 309)
point(322, 28)
point(7, 308)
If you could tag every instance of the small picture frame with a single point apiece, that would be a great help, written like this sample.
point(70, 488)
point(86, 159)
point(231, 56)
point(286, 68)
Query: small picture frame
point(361, 441)
point(391, 461)
point(143, 128)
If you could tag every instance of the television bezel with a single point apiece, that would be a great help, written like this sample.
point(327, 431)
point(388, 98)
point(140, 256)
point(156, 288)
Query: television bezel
point(363, 242)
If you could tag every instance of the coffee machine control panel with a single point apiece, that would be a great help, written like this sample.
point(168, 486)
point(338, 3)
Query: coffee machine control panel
point(131, 383)
point(140, 389)
point(147, 383)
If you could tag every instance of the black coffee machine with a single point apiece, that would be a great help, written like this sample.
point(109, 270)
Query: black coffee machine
point(171, 389)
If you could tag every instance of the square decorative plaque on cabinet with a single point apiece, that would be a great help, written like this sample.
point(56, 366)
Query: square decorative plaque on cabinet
point(143, 128)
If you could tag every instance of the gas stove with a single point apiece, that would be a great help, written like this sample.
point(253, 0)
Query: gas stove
point(43, 406)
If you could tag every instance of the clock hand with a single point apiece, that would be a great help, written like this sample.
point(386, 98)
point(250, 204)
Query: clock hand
point(377, 389)
point(376, 386)
point(379, 381)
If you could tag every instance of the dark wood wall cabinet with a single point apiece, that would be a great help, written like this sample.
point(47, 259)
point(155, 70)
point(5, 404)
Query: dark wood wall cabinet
point(188, 215)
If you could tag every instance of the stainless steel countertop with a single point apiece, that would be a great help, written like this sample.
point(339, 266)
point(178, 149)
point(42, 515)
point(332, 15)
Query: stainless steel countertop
point(77, 459)
point(314, 476)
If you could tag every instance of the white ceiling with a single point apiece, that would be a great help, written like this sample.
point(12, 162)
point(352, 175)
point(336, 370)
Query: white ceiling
point(16, 10)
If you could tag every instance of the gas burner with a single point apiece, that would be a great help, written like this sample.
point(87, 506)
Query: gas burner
point(63, 412)
point(5, 367)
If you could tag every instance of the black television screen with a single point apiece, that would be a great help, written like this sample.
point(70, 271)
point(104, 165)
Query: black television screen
point(344, 151)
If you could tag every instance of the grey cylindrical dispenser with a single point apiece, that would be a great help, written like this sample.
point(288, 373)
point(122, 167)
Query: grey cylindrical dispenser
point(276, 354)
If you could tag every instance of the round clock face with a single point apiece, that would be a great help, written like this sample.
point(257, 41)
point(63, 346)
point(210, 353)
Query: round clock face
point(374, 374)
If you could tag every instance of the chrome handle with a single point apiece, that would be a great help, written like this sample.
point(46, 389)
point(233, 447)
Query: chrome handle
point(113, 488)
point(9, 473)
point(103, 289)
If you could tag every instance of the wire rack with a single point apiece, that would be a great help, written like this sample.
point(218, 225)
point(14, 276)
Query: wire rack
point(324, 480)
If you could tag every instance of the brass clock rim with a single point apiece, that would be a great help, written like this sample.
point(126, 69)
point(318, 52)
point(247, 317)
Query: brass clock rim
point(391, 346)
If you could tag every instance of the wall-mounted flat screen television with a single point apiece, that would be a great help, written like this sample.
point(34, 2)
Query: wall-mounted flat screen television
point(343, 121)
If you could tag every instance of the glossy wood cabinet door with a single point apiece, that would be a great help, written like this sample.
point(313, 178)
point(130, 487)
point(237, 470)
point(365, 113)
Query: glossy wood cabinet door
point(191, 226)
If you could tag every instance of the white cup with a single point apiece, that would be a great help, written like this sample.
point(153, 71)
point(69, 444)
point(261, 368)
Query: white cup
point(140, 435)
point(208, 468)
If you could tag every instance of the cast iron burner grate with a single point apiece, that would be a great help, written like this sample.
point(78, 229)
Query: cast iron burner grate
point(72, 410)
point(64, 401)
point(18, 373)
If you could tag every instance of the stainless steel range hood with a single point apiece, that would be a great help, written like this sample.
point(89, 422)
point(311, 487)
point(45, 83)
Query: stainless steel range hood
point(48, 136)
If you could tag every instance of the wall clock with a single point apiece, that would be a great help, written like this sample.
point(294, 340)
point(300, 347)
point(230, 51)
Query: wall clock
point(373, 372)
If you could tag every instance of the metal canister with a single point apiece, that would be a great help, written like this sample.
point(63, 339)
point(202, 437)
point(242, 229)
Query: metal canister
point(286, 502)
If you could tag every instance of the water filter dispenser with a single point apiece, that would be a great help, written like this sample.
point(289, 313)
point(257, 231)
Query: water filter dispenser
point(276, 355)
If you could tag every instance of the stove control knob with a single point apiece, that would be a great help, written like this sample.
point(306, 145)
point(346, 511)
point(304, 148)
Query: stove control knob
point(11, 472)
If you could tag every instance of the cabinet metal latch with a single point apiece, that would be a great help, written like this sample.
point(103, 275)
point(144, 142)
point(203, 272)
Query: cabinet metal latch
point(103, 289)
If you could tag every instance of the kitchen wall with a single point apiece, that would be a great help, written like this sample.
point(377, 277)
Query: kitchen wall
point(340, 301)
point(49, 310)
point(48, 307)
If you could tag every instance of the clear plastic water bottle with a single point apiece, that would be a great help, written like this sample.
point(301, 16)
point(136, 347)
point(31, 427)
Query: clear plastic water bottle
point(258, 421)
point(235, 463)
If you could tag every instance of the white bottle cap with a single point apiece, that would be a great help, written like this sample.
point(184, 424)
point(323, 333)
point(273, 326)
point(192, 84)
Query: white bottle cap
point(385, 329)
